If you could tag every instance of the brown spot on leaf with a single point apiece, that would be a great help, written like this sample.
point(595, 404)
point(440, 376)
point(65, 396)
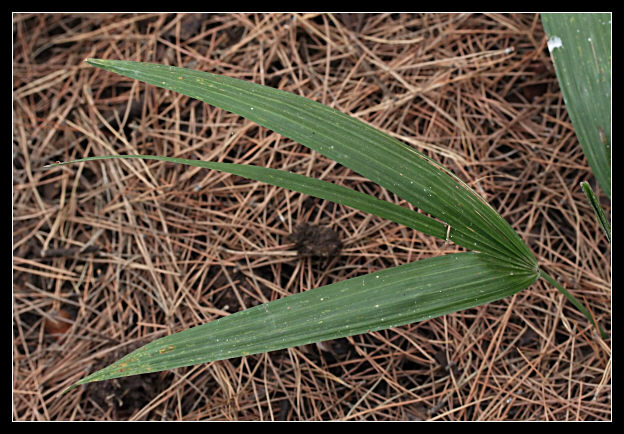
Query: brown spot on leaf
point(166, 349)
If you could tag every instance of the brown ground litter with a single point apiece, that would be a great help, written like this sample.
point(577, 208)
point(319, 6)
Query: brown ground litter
point(130, 250)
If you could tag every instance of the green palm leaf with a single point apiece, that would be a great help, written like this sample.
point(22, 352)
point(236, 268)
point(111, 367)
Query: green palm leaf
point(388, 298)
point(580, 46)
point(392, 297)
point(311, 186)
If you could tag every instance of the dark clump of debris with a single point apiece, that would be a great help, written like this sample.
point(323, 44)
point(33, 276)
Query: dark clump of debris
point(312, 240)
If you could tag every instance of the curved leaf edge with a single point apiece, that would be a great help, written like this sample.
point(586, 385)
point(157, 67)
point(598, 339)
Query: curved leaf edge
point(334, 193)
point(392, 297)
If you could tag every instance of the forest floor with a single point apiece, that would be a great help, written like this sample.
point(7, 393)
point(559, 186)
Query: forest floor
point(109, 255)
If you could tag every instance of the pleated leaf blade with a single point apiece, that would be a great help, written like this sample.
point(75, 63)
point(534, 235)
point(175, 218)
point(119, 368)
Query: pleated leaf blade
point(304, 184)
point(389, 298)
point(580, 46)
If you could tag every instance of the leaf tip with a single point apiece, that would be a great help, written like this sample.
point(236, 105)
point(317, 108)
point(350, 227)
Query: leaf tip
point(56, 163)
point(67, 389)
point(94, 62)
point(84, 380)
